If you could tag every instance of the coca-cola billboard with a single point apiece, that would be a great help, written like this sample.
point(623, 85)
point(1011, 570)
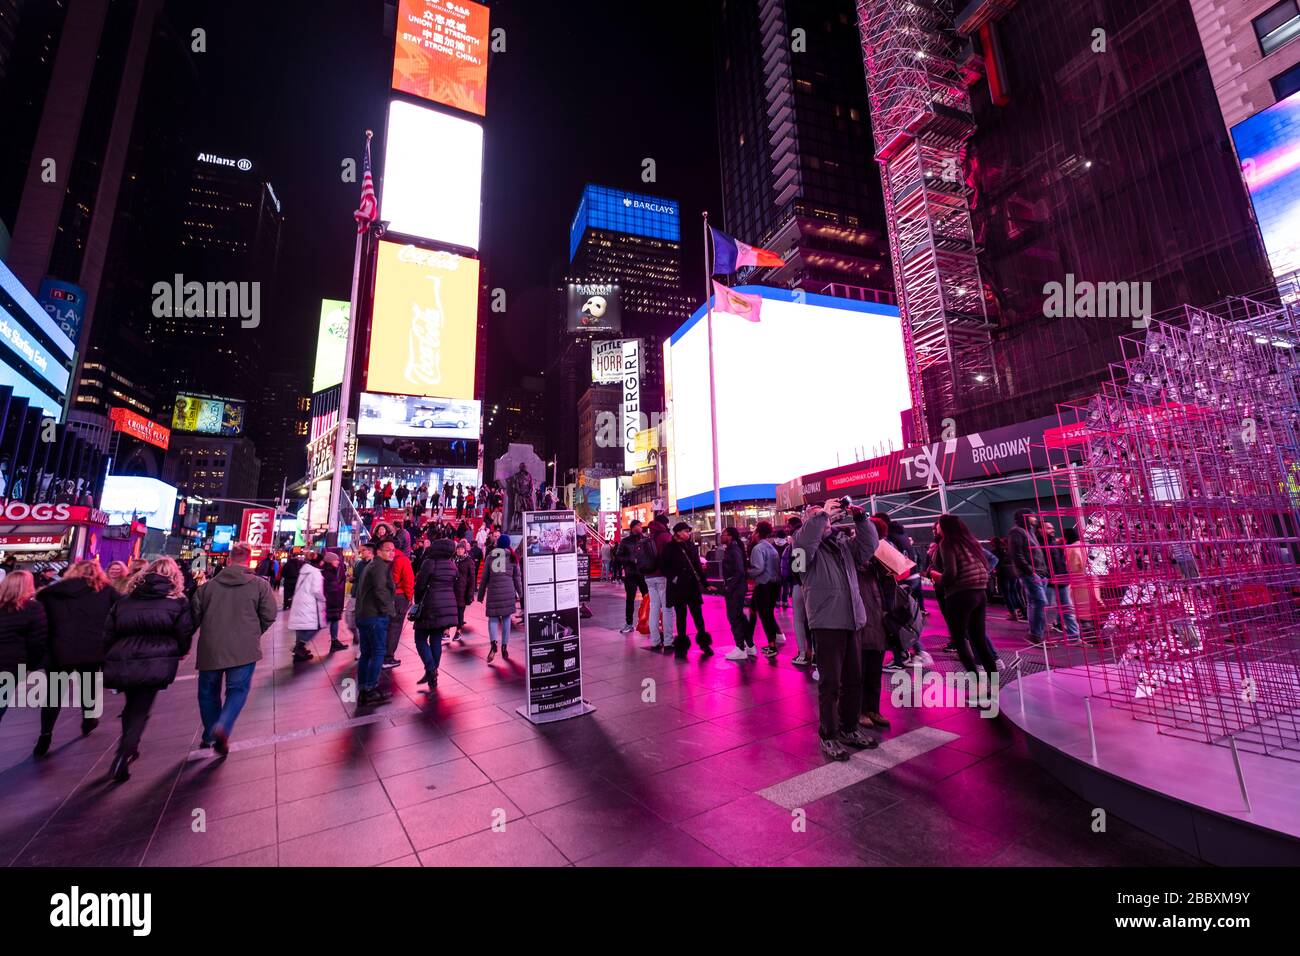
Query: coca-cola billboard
point(425, 329)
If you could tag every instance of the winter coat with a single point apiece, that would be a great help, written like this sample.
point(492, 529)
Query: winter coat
point(146, 635)
point(403, 576)
point(872, 634)
point(292, 568)
point(500, 590)
point(75, 613)
point(334, 581)
point(830, 582)
point(233, 611)
point(681, 563)
point(734, 579)
point(961, 571)
point(374, 592)
point(765, 562)
point(1026, 554)
point(435, 587)
point(464, 586)
point(308, 610)
point(22, 637)
point(661, 536)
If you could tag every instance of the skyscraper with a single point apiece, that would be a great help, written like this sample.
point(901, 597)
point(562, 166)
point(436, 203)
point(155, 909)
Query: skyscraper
point(794, 134)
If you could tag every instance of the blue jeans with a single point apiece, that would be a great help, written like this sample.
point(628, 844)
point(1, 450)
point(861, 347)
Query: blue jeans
point(374, 644)
point(428, 644)
point(216, 715)
point(1058, 596)
point(302, 637)
point(499, 629)
point(1036, 596)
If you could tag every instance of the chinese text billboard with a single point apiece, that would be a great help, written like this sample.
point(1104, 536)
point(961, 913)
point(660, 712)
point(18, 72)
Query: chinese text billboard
point(441, 52)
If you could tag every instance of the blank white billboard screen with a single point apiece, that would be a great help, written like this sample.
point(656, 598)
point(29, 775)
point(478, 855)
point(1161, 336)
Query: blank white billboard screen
point(433, 171)
point(812, 385)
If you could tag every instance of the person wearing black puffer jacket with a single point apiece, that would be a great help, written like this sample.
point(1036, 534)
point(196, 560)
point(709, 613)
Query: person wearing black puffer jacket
point(435, 594)
point(76, 608)
point(147, 633)
point(22, 627)
point(465, 565)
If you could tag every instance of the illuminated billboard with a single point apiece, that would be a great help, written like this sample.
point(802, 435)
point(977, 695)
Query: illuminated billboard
point(208, 415)
point(846, 400)
point(412, 416)
point(331, 344)
point(632, 214)
point(35, 353)
point(441, 53)
point(433, 171)
point(425, 328)
point(137, 426)
point(147, 499)
point(1268, 145)
point(594, 307)
point(606, 361)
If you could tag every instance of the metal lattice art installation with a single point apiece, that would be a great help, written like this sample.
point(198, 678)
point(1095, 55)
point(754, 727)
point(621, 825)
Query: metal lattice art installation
point(1183, 478)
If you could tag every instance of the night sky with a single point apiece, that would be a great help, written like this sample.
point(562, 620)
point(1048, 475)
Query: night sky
point(584, 91)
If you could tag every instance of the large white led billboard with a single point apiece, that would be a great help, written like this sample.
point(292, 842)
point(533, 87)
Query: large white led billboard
point(812, 384)
point(433, 171)
point(128, 496)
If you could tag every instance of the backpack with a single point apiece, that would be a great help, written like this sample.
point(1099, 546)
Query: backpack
point(647, 556)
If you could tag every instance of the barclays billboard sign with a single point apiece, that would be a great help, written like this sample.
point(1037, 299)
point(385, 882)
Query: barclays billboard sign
point(632, 214)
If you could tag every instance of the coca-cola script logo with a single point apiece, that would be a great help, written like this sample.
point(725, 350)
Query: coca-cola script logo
point(429, 258)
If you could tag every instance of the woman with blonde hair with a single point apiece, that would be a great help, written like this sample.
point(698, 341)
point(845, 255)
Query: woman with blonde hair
point(22, 626)
point(117, 575)
point(76, 608)
point(147, 633)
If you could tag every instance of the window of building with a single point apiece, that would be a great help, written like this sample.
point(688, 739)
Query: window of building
point(1277, 26)
point(1286, 83)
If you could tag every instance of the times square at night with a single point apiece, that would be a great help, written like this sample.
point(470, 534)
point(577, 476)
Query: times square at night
point(826, 435)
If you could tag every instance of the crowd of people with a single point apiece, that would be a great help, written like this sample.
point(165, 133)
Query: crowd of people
point(458, 499)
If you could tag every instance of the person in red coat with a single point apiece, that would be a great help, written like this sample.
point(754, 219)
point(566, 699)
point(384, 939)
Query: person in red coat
point(404, 586)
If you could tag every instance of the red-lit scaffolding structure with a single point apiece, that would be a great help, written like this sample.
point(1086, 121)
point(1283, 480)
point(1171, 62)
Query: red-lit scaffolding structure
point(1187, 503)
point(921, 121)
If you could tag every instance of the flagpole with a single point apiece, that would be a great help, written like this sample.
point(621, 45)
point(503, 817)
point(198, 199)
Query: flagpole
point(345, 388)
point(713, 391)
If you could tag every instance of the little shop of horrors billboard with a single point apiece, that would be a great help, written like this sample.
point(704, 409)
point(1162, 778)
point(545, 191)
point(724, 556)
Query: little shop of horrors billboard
point(990, 454)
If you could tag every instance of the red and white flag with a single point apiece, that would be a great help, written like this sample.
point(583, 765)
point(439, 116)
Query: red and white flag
point(368, 211)
point(743, 304)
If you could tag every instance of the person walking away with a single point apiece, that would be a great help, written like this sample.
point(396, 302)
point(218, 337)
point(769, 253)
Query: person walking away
point(765, 569)
point(231, 612)
point(307, 616)
point(23, 629)
point(145, 636)
point(334, 582)
point(463, 589)
point(292, 568)
point(633, 580)
point(76, 608)
point(835, 617)
point(686, 584)
point(1008, 583)
point(931, 555)
point(607, 560)
point(735, 585)
point(436, 605)
point(649, 564)
point(376, 605)
point(404, 584)
point(499, 590)
point(962, 568)
point(1030, 566)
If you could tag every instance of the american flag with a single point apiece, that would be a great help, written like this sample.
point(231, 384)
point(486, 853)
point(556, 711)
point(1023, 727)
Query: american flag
point(369, 209)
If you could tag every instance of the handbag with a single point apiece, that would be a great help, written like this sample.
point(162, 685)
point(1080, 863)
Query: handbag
point(643, 616)
point(413, 612)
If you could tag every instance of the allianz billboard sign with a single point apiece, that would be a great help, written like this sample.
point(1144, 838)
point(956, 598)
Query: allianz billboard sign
point(243, 165)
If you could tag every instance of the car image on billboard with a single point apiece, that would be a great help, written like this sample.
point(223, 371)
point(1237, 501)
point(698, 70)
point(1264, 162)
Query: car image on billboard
point(413, 416)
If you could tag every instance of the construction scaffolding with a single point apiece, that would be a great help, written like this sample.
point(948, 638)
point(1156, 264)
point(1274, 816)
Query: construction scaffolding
point(921, 121)
point(1187, 507)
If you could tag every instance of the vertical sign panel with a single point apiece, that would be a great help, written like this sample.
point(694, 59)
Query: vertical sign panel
point(631, 402)
point(553, 641)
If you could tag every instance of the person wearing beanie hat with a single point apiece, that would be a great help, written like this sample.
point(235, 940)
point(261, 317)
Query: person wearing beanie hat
point(500, 589)
point(685, 574)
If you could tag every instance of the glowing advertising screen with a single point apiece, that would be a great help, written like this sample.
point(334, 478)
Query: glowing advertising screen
point(137, 426)
point(148, 499)
point(633, 214)
point(846, 397)
point(441, 52)
point(207, 415)
point(606, 361)
point(35, 353)
point(411, 416)
point(594, 307)
point(630, 405)
point(331, 344)
point(425, 329)
point(1268, 145)
point(433, 171)
point(222, 535)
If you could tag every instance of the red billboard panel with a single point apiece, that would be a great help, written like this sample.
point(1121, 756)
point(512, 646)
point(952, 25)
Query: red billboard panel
point(137, 426)
point(258, 530)
point(441, 52)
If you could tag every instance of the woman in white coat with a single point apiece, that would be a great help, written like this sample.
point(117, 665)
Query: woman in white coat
point(307, 613)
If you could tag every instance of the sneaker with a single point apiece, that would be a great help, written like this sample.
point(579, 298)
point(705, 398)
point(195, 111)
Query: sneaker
point(301, 652)
point(458, 638)
point(780, 639)
point(492, 652)
point(800, 660)
point(221, 742)
point(770, 651)
point(893, 667)
point(657, 646)
point(834, 749)
point(752, 651)
point(858, 740)
point(625, 629)
point(925, 658)
point(446, 639)
point(390, 663)
point(736, 654)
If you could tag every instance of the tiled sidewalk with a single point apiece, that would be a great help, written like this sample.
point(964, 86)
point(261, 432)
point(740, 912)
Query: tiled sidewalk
point(700, 776)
